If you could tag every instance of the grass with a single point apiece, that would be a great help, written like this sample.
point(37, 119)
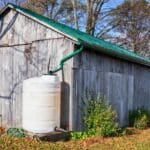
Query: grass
point(140, 140)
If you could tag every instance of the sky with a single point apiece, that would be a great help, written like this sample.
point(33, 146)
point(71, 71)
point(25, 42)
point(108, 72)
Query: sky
point(113, 3)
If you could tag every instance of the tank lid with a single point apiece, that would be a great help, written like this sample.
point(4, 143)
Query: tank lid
point(43, 79)
point(52, 78)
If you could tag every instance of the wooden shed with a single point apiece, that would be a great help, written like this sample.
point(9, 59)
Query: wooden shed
point(31, 44)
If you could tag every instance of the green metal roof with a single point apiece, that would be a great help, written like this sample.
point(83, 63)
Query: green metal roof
point(85, 39)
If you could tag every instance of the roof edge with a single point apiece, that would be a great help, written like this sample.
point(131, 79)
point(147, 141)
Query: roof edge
point(12, 6)
point(135, 59)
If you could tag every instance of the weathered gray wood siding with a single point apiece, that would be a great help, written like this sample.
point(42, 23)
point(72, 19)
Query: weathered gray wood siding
point(18, 29)
point(25, 50)
point(126, 85)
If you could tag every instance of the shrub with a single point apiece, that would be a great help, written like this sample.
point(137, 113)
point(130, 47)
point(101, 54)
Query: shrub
point(78, 135)
point(99, 118)
point(17, 132)
point(139, 118)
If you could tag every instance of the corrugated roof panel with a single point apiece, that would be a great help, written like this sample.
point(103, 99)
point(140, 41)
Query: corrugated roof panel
point(86, 39)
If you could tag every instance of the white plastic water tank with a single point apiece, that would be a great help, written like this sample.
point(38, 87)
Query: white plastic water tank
point(41, 104)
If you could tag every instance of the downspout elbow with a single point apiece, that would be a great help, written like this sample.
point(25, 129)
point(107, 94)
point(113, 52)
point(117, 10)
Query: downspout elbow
point(66, 58)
